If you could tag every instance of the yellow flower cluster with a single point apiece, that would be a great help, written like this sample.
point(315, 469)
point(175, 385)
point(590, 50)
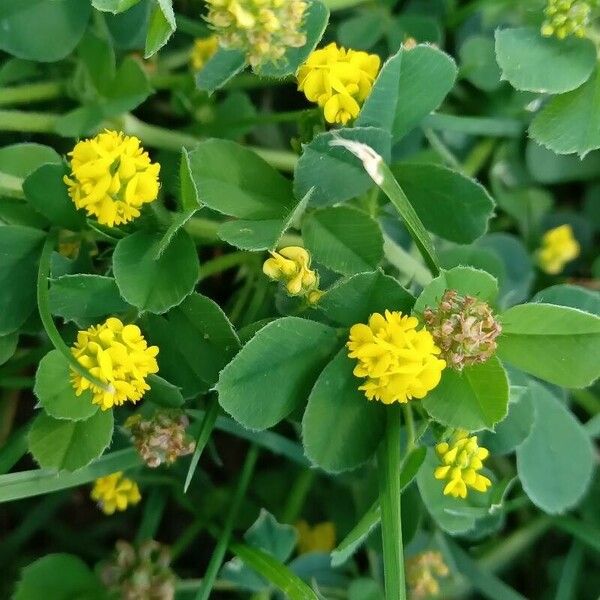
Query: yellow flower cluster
point(422, 573)
point(565, 18)
point(292, 266)
point(461, 459)
point(338, 80)
point(118, 355)
point(559, 246)
point(112, 177)
point(115, 492)
point(318, 538)
point(202, 51)
point(398, 360)
point(262, 29)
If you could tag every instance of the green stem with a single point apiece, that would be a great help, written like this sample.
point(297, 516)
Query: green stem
point(31, 92)
point(389, 467)
point(219, 553)
point(297, 496)
point(223, 263)
point(410, 428)
point(478, 156)
point(441, 149)
point(488, 126)
point(43, 299)
point(30, 122)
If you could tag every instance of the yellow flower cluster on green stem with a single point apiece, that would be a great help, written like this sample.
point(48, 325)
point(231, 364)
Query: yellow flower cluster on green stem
point(316, 538)
point(202, 51)
point(262, 29)
point(398, 360)
point(115, 492)
point(462, 459)
point(338, 80)
point(291, 265)
point(118, 355)
point(559, 247)
point(565, 18)
point(112, 177)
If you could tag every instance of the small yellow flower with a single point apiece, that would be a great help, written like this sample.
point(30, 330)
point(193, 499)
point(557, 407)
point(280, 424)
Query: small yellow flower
point(559, 246)
point(115, 492)
point(262, 29)
point(462, 458)
point(118, 355)
point(318, 538)
point(338, 80)
point(398, 361)
point(565, 18)
point(292, 266)
point(202, 50)
point(422, 573)
point(112, 177)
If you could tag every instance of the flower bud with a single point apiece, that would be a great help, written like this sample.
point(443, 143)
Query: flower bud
point(565, 18)
point(291, 265)
point(422, 573)
point(464, 328)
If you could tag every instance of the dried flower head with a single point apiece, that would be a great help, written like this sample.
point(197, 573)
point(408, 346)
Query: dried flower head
point(115, 492)
point(559, 246)
point(398, 360)
point(318, 538)
point(422, 573)
point(162, 439)
point(262, 29)
point(461, 459)
point(202, 51)
point(139, 572)
point(291, 265)
point(565, 18)
point(112, 177)
point(338, 80)
point(464, 328)
point(118, 355)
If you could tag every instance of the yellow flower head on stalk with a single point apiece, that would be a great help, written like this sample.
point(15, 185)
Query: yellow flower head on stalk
point(291, 265)
point(422, 573)
point(262, 29)
point(115, 492)
point(398, 360)
point(559, 246)
point(461, 459)
point(318, 538)
point(118, 355)
point(338, 80)
point(112, 177)
point(202, 50)
point(565, 18)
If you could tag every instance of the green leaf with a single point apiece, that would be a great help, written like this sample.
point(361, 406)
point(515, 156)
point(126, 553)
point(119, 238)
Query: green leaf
point(343, 239)
point(315, 22)
point(20, 248)
point(547, 167)
point(465, 280)
point(362, 31)
point(155, 284)
point(476, 398)
point(410, 85)
point(273, 373)
point(341, 429)
point(555, 343)
point(20, 160)
point(556, 461)
point(353, 300)
point(450, 204)
point(8, 346)
point(267, 534)
point(163, 393)
point(42, 30)
point(333, 172)
point(85, 299)
point(478, 63)
point(54, 390)
point(69, 445)
point(161, 27)
point(534, 63)
point(223, 66)
point(196, 341)
point(60, 577)
point(573, 296)
point(113, 6)
point(570, 122)
point(188, 193)
point(47, 193)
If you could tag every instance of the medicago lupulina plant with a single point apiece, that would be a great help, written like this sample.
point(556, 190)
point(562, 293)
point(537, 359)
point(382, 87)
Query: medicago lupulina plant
point(250, 281)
